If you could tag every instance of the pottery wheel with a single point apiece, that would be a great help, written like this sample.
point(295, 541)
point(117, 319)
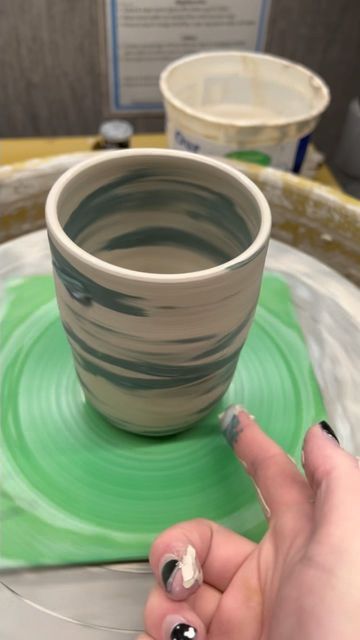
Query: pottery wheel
point(109, 599)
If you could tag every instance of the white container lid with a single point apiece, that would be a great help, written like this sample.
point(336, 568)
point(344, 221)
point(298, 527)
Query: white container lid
point(116, 130)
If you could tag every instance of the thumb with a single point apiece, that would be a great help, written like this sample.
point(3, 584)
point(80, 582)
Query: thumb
point(334, 476)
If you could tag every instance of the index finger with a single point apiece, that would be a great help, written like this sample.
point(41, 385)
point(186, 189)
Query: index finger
point(334, 476)
point(280, 484)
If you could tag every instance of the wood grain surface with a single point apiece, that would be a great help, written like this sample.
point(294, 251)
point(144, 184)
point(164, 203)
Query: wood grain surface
point(52, 77)
point(50, 67)
point(325, 36)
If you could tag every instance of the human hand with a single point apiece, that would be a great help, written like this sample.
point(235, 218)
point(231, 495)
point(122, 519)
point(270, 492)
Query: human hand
point(301, 582)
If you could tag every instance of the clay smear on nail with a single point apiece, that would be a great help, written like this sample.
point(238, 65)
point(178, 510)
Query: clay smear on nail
point(230, 423)
point(190, 570)
point(244, 464)
point(226, 415)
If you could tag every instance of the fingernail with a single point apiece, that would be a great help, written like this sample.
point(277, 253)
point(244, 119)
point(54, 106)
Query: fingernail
point(177, 628)
point(226, 415)
point(328, 430)
point(230, 423)
point(183, 631)
point(179, 573)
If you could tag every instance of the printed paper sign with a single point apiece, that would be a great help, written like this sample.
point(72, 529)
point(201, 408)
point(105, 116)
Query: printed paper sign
point(143, 36)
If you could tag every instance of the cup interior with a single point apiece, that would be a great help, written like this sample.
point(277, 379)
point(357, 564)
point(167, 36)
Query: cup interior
point(244, 87)
point(159, 213)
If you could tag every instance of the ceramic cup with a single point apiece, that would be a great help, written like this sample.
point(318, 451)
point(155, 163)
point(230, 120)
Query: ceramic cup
point(158, 257)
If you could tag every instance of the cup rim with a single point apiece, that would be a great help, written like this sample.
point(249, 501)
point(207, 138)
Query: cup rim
point(55, 229)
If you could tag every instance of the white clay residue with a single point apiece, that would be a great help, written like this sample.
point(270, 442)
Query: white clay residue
point(190, 570)
point(249, 113)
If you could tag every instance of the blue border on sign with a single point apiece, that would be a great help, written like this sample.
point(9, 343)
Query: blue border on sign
point(116, 70)
point(116, 95)
point(114, 48)
point(263, 17)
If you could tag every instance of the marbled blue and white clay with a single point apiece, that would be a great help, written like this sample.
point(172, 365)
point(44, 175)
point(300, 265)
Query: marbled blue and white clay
point(158, 257)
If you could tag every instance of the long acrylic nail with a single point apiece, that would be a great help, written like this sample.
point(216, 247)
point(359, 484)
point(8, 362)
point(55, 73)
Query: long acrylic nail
point(183, 572)
point(328, 430)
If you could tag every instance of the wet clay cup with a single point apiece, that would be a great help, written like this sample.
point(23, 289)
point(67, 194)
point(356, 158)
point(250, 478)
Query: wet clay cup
point(158, 257)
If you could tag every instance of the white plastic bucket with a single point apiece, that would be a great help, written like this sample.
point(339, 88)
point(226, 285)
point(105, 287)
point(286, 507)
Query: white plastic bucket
point(250, 106)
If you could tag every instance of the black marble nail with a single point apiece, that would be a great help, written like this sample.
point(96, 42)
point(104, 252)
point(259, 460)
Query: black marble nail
point(168, 573)
point(183, 631)
point(330, 432)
